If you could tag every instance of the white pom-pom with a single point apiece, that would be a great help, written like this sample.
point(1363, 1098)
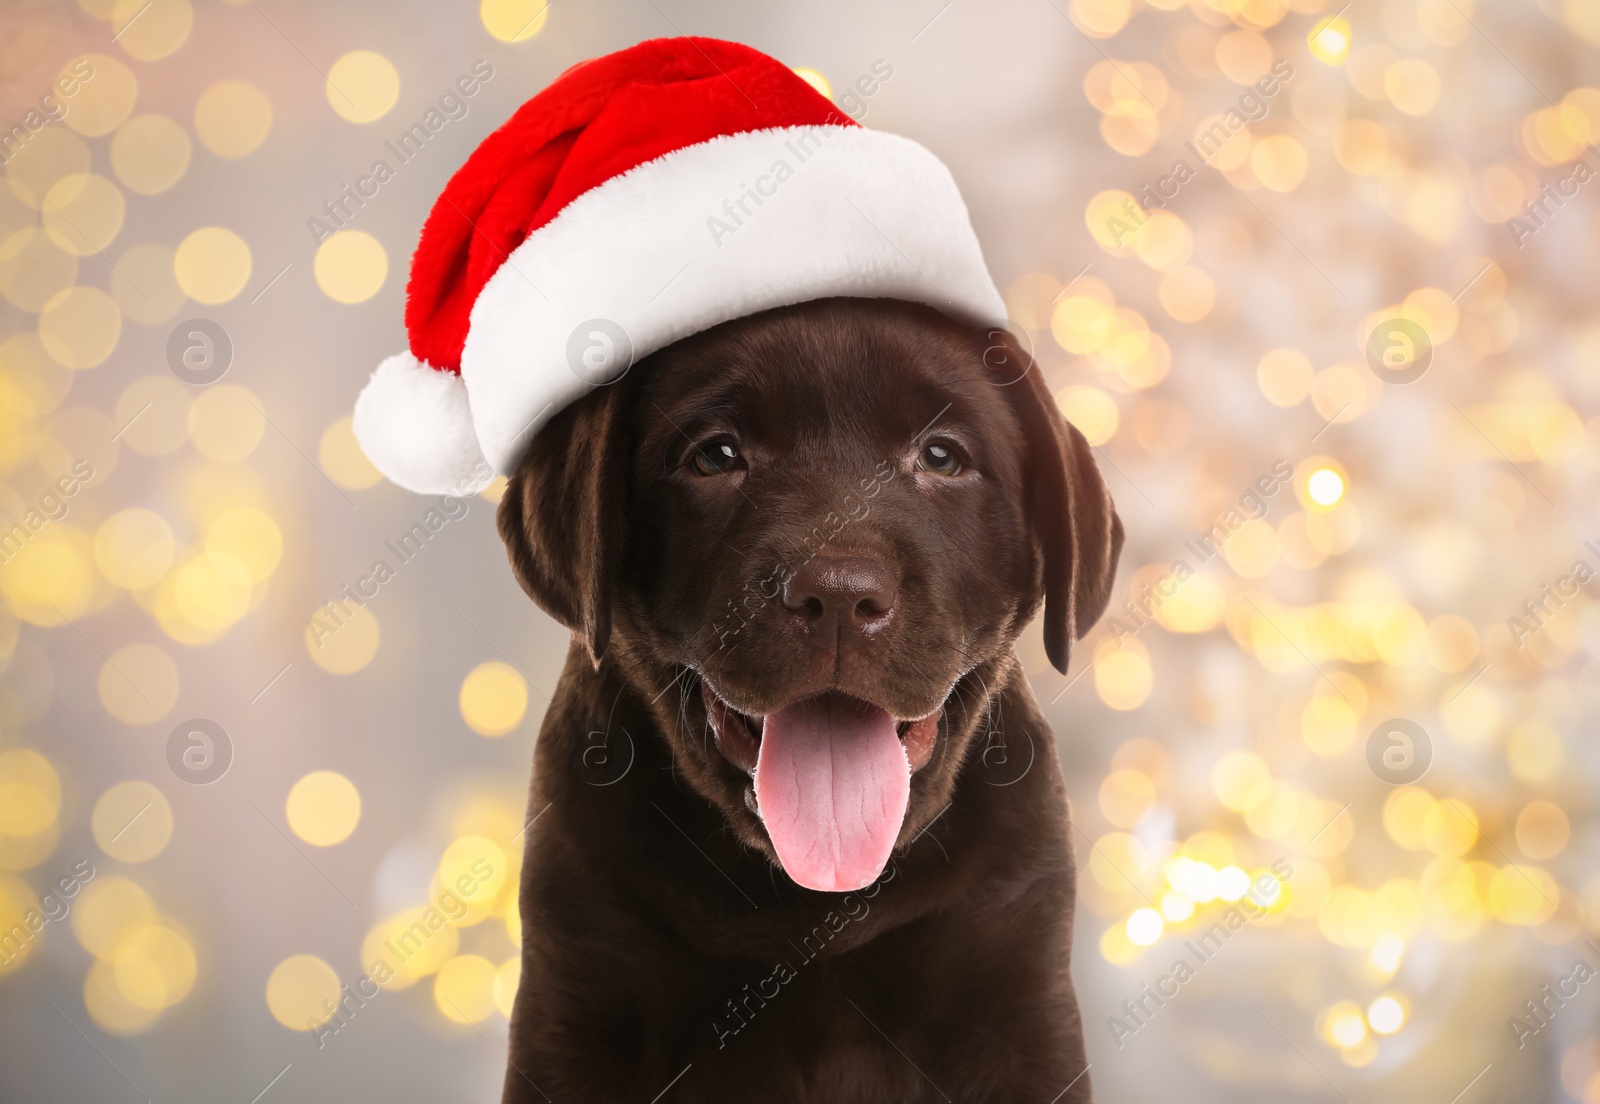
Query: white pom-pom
point(415, 425)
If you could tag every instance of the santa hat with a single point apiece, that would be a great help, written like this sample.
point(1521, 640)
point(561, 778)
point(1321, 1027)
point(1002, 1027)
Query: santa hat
point(643, 197)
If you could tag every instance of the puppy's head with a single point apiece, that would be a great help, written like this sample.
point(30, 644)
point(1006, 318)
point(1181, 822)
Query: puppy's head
point(811, 538)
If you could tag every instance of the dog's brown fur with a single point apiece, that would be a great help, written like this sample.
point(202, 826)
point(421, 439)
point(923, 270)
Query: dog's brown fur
point(661, 940)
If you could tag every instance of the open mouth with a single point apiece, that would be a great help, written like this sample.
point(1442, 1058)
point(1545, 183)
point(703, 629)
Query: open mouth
point(830, 780)
point(738, 735)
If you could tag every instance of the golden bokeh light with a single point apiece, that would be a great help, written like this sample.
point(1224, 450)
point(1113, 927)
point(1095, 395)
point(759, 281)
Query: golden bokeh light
point(1344, 1025)
point(1123, 677)
point(1272, 809)
point(481, 864)
point(362, 86)
point(80, 327)
point(323, 808)
point(155, 966)
point(1082, 322)
point(1252, 551)
point(83, 213)
point(232, 118)
point(1330, 40)
point(151, 29)
point(350, 266)
point(35, 382)
point(1113, 217)
point(138, 684)
point(1244, 56)
point(493, 699)
point(1100, 18)
point(1386, 1014)
point(107, 910)
point(343, 639)
point(211, 591)
point(514, 20)
point(1450, 828)
point(1542, 830)
point(1279, 162)
point(1325, 486)
point(132, 821)
point(212, 265)
point(111, 1011)
point(150, 153)
point(1145, 926)
point(1535, 752)
point(34, 271)
point(1196, 606)
point(134, 548)
point(1284, 376)
point(1412, 85)
point(410, 946)
point(105, 99)
point(1115, 946)
point(1235, 777)
point(30, 793)
point(303, 992)
point(153, 412)
point(51, 579)
point(250, 538)
point(341, 457)
point(1522, 895)
point(464, 989)
point(813, 78)
point(1093, 411)
point(1164, 242)
point(49, 156)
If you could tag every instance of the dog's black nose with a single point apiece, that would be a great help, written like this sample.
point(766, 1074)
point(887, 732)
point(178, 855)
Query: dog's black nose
point(857, 590)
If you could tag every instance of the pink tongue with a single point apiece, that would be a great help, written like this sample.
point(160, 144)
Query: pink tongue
point(832, 782)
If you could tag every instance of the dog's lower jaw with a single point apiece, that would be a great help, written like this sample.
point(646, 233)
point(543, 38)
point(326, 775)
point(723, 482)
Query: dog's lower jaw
point(652, 939)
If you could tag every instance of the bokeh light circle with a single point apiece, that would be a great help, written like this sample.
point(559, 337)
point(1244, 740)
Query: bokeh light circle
point(362, 86)
point(323, 808)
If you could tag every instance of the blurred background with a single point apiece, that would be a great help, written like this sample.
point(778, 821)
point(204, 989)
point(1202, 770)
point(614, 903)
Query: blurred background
point(1319, 282)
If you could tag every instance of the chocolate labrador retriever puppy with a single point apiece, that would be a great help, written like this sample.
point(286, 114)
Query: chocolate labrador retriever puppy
point(799, 829)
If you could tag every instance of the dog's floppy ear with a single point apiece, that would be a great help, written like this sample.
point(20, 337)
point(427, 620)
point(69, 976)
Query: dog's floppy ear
point(1071, 510)
point(561, 515)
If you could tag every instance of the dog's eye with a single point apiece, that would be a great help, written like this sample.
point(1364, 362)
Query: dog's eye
point(715, 458)
point(940, 458)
